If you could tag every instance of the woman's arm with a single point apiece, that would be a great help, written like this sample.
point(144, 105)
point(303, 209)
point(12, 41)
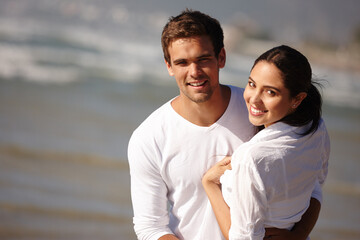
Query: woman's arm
point(168, 237)
point(211, 183)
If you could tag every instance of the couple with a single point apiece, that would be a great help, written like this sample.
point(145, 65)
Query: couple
point(176, 156)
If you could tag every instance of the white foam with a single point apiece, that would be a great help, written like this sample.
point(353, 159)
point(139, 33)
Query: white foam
point(129, 50)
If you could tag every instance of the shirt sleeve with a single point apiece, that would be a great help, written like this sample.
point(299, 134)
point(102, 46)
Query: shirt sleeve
point(249, 202)
point(325, 155)
point(148, 191)
point(317, 192)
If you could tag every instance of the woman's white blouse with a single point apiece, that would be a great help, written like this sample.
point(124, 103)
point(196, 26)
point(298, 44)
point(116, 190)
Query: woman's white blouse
point(273, 177)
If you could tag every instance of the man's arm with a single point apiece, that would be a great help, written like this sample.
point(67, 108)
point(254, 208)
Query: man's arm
point(148, 191)
point(302, 229)
point(308, 220)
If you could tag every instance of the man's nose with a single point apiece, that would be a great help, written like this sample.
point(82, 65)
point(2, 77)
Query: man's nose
point(195, 70)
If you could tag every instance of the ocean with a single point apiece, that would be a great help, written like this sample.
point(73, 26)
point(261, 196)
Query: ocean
point(76, 78)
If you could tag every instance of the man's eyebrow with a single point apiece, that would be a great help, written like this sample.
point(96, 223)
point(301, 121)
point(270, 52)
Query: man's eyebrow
point(206, 55)
point(176, 61)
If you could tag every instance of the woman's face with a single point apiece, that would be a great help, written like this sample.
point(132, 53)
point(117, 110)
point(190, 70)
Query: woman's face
point(266, 97)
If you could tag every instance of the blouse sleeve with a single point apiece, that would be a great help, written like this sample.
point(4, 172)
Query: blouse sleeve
point(249, 202)
point(317, 192)
point(325, 156)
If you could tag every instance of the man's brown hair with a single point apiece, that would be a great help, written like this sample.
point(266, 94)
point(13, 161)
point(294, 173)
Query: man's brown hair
point(191, 24)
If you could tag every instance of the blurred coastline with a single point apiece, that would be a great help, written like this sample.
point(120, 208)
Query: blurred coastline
point(77, 77)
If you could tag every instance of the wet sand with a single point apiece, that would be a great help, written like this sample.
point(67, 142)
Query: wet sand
point(49, 195)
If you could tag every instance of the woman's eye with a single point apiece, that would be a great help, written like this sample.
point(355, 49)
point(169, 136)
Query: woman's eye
point(251, 84)
point(271, 93)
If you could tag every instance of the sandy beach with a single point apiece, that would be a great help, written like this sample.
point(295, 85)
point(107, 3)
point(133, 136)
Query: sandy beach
point(77, 77)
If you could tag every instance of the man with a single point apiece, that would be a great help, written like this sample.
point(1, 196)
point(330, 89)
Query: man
point(172, 149)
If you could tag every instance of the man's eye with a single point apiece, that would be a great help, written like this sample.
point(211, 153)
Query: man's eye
point(180, 63)
point(204, 59)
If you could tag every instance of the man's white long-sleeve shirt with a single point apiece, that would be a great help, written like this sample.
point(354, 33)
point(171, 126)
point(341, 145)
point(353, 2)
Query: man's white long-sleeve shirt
point(168, 157)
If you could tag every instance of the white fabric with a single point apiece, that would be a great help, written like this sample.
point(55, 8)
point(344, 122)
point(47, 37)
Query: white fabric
point(273, 177)
point(168, 156)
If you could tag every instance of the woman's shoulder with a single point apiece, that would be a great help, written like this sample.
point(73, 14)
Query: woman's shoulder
point(252, 153)
point(260, 156)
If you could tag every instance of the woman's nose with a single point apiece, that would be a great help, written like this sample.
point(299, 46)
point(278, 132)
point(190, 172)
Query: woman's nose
point(256, 97)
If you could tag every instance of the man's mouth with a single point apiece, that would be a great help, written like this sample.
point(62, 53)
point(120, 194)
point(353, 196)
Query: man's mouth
point(196, 84)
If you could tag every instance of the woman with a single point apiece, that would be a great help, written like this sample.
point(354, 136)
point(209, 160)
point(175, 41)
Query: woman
point(274, 174)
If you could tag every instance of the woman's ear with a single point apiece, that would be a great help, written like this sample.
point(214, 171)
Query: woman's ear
point(298, 99)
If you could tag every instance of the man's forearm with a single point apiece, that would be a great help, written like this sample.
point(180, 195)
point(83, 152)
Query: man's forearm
point(302, 229)
point(308, 220)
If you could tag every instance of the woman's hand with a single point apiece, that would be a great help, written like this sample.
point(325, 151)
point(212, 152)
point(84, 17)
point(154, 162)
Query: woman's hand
point(211, 184)
point(212, 176)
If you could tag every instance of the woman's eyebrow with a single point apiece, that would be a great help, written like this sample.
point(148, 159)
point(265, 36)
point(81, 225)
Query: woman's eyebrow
point(266, 86)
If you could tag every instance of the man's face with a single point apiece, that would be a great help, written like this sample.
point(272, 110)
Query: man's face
point(195, 67)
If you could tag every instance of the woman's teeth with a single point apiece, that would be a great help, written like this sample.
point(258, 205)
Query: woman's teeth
point(257, 111)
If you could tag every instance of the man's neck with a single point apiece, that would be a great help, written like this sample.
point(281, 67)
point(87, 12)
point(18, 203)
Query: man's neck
point(206, 113)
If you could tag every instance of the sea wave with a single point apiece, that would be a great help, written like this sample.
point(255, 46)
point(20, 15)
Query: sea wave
point(72, 54)
point(17, 151)
point(84, 41)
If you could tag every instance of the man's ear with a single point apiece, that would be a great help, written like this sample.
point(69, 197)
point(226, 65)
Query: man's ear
point(169, 68)
point(222, 58)
point(298, 99)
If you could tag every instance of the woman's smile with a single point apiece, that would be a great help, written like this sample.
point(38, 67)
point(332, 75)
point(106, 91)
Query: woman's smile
point(256, 112)
point(267, 98)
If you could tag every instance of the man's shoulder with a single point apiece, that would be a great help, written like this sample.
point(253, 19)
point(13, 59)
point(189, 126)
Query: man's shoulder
point(235, 89)
point(156, 117)
point(237, 94)
point(154, 124)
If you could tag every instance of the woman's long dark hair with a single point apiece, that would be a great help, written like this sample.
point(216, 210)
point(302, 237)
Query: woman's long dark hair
point(297, 77)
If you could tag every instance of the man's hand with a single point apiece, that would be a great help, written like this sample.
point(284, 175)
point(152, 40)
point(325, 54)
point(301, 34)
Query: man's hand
point(280, 234)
